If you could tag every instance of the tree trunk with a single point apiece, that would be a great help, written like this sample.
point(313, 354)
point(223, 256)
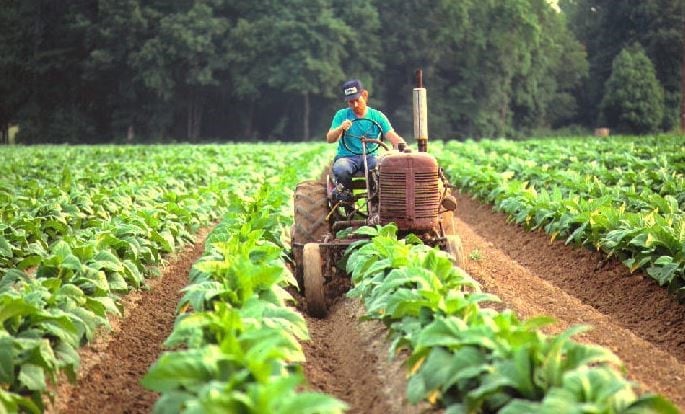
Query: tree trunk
point(195, 112)
point(199, 112)
point(305, 117)
point(189, 125)
point(247, 131)
point(682, 78)
point(503, 113)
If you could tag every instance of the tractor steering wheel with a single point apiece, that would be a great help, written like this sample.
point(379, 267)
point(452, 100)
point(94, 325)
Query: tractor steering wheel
point(371, 130)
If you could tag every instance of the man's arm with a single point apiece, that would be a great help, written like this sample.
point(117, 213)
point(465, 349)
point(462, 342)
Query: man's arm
point(334, 134)
point(394, 138)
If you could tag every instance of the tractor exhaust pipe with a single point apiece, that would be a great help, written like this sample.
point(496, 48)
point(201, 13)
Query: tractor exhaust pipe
point(420, 113)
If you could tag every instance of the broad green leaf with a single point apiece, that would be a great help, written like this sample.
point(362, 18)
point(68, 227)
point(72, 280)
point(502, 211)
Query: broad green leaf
point(61, 249)
point(105, 260)
point(520, 406)
point(71, 262)
point(184, 370)
point(29, 262)
point(663, 270)
point(13, 306)
point(5, 248)
point(165, 239)
point(117, 282)
point(32, 377)
point(7, 360)
point(312, 403)
point(172, 402)
point(651, 404)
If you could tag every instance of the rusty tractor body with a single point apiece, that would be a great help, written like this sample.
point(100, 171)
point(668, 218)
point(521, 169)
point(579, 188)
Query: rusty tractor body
point(406, 188)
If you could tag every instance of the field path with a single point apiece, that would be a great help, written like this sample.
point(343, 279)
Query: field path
point(113, 365)
point(630, 315)
point(349, 360)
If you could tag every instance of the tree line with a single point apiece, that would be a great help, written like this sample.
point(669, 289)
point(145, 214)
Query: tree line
point(160, 70)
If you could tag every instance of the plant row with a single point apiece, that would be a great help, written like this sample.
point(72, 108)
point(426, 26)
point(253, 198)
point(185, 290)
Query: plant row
point(585, 196)
point(646, 165)
point(236, 342)
point(59, 283)
point(82, 194)
point(472, 359)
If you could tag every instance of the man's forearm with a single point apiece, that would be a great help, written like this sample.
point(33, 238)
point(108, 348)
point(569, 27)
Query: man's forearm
point(334, 134)
point(394, 138)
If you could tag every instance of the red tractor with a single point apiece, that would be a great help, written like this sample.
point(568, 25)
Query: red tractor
point(406, 188)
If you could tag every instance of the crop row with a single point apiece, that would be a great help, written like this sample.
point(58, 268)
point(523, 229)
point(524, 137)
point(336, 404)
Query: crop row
point(83, 225)
point(622, 196)
point(473, 359)
point(236, 342)
point(645, 170)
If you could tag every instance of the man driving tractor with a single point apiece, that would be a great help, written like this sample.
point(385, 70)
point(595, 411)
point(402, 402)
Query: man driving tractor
point(349, 157)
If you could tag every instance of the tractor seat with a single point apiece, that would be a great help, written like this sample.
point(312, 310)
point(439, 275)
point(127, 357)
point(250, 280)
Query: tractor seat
point(358, 181)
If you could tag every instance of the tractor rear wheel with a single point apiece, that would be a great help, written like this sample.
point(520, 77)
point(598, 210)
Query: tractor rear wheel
point(310, 225)
point(314, 280)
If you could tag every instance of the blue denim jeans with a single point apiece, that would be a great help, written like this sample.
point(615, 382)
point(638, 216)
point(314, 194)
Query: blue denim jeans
point(345, 167)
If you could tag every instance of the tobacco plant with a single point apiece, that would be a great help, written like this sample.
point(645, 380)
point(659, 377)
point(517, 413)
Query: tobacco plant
point(473, 359)
point(236, 346)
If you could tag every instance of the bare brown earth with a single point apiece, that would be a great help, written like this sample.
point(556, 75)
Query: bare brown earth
point(112, 366)
point(349, 360)
point(630, 314)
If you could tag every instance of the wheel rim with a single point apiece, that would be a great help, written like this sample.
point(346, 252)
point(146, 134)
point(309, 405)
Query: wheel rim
point(314, 281)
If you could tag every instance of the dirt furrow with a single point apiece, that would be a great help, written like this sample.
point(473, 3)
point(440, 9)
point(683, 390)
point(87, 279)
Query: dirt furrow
point(349, 360)
point(112, 366)
point(630, 314)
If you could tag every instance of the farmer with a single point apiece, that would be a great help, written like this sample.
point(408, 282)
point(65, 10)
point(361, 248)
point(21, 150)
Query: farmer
point(348, 159)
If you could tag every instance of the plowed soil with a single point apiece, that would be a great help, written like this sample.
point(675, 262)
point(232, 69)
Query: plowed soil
point(112, 366)
point(630, 314)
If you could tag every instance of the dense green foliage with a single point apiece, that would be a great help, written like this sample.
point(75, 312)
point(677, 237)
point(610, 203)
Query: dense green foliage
point(103, 70)
point(238, 351)
point(473, 359)
point(624, 196)
point(605, 27)
point(633, 100)
point(81, 226)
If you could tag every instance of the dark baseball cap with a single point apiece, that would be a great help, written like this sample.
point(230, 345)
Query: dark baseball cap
point(352, 89)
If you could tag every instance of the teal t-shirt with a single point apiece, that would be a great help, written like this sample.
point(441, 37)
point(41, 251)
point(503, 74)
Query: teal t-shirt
point(358, 129)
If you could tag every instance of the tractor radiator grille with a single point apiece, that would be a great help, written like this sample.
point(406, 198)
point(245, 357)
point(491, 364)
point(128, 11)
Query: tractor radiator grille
point(427, 194)
point(409, 197)
point(393, 188)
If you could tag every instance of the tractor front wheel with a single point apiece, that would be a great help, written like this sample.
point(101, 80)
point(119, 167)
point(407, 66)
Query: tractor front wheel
point(314, 280)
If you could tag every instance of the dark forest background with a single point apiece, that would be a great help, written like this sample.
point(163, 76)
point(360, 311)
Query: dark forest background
point(89, 71)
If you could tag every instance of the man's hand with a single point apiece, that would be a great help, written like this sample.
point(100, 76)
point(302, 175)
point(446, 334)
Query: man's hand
point(335, 133)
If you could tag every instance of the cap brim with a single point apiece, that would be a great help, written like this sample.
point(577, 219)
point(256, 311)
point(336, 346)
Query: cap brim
point(353, 97)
